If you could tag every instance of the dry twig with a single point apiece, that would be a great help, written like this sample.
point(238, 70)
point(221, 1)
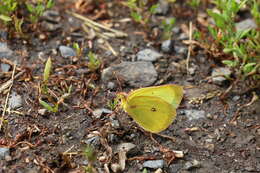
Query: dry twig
point(254, 99)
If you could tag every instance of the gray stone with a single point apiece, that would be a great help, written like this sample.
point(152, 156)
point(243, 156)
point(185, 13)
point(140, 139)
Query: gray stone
point(175, 167)
point(125, 147)
point(98, 112)
point(163, 7)
point(192, 70)
point(5, 67)
point(67, 51)
point(183, 36)
point(50, 27)
point(236, 98)
point(176, 30)
point(246, 24)
point(136, 74)
point(220, 73)
point(193, 114)
point(148, 55)
point(192, 164)
point(154, 164)
point(112, 138)
point(115, 124)
point(3, 35)
point(111, 85)
point(15, 101)
point(42, 111)
point(5, 52)
point(180, 49)
point(51, 15)
point(167, 46)
point(4, 152)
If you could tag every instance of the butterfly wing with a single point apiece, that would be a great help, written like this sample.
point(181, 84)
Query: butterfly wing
point(170, 93)
point(151, 113)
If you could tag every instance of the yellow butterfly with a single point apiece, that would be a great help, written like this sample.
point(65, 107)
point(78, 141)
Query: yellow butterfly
point(153, 108)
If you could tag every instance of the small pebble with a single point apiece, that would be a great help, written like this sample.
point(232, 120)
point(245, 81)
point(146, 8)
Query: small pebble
point(5, 67)
point(192, 164)
point(116, 167)
point(148, 55)
point(67, 51)
point(4, 152)
point(15, 101)
point(154, 164)
point(219, 74)
point(167, 46)
point(42, 111)
point(236, 98)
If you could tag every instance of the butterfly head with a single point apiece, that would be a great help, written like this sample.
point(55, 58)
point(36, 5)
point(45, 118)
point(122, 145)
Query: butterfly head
point(122, 98)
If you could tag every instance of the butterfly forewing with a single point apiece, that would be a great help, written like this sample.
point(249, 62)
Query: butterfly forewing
point(152, 113)
point(170, 93)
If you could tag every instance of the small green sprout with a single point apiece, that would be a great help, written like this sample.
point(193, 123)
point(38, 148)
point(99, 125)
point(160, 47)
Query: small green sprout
point(45, 90)
point(47, 70)
point(77, 48)
point(167, 25)
point(49, 107)
point(18, 25)
point(91, 157)
point(140, 11)
point(7, 7)
point(94, 62)
point(9, 10)
point(37, 10)
point(137, 17)
point(46, 75)
point(194, 4)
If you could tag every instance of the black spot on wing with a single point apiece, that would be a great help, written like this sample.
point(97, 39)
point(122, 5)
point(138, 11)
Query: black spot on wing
point(153, 109)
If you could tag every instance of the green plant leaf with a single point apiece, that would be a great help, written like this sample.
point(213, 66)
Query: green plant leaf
point(213, 32)
point(77, 48)
point(47, 106)
point(230, 63)
point(144, 170)
point(39, 9)
point(90, 154)
point(228, 50)
point(241, 34)
point(47, 70)
point(94, 62)
point(5, 18)
point(153, 8)
point(50, 4)
point(218, 18)
point(136, 16)
point(248, 67)
point(30, 8)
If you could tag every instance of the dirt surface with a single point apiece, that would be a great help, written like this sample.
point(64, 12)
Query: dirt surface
point(214, 134)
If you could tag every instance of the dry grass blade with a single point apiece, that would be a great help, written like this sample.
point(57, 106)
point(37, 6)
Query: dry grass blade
point(93, 24)
point(5, 85)
point(190, 47)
